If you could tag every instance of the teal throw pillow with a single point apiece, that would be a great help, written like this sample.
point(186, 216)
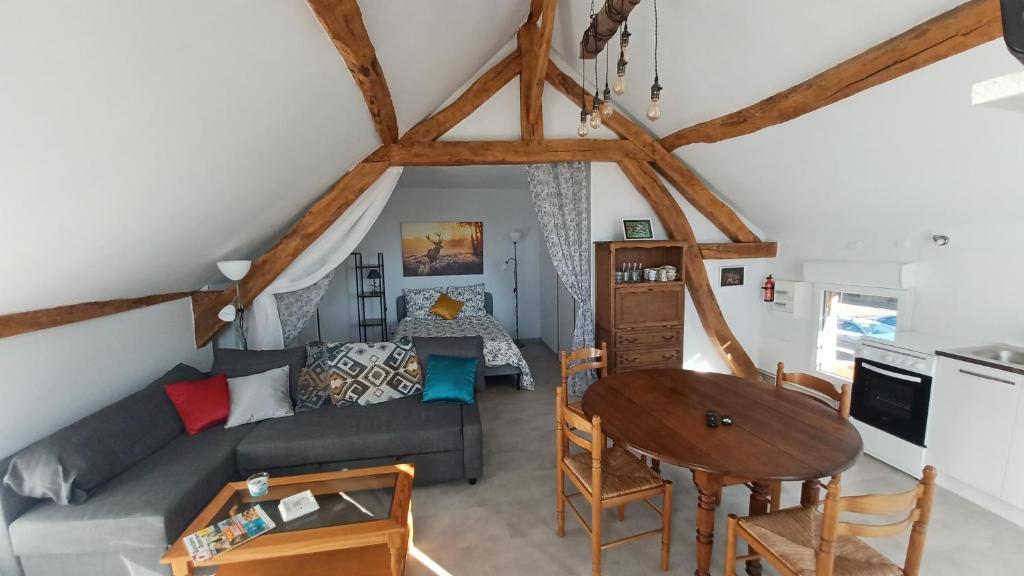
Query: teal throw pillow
point(450, 379)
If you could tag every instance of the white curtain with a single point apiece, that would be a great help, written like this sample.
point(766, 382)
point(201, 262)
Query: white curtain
point(561, 195)
point(262, 319)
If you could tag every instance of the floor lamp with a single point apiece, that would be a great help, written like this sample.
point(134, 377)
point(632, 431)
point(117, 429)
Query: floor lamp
point(515, 236)
point(235, 270)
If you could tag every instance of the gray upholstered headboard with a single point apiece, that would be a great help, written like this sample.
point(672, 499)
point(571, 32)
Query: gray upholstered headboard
point(400, 305)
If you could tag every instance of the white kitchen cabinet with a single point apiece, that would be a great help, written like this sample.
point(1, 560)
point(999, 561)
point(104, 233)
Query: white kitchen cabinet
point(972, 418)
point(1013, 487)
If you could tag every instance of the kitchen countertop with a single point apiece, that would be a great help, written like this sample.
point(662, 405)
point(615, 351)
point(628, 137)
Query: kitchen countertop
point(964, 355)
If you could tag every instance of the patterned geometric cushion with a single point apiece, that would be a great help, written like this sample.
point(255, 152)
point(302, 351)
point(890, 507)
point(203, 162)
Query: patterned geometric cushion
point(313, 392)
point(418, 301)
point(360, 373)
point(472, 296)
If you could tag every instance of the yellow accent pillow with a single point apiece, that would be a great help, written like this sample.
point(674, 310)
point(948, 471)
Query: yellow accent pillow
point(447, 307)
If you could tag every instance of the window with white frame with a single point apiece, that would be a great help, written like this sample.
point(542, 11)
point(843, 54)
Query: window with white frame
point(847, 314)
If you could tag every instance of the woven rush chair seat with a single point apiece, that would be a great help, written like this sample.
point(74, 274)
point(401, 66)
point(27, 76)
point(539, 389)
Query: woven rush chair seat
point(576, 407)
point(622, 473)
point(793, 534)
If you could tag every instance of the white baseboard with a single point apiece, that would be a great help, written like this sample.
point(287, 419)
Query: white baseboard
point(987, 501)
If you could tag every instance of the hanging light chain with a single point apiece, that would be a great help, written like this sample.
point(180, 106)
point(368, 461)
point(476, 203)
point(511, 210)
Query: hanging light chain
point(654, 111)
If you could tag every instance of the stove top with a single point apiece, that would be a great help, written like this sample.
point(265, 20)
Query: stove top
point(917, 342)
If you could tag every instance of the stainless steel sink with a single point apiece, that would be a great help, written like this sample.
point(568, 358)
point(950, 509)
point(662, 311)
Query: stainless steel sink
point(998, 352)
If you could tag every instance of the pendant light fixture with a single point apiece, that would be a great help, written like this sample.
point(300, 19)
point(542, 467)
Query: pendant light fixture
point(606, 103)
point(596, 118)
point(583, 130)
point(620, 68)
point(654, 111)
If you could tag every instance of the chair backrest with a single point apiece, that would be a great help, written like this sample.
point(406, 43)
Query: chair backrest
point(917, 503)
point(584, 359)
point(817, 387)
point(569, 427)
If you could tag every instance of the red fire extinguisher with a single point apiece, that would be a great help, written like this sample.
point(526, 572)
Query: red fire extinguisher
point(768, 290)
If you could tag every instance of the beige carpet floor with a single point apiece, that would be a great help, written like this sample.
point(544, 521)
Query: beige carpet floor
point(505, 525)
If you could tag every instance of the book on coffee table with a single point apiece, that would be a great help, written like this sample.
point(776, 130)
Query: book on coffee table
point(227, 534)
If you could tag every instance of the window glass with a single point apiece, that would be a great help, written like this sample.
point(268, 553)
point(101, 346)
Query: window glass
point(845, 318)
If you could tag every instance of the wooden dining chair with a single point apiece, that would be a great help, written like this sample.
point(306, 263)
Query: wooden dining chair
point(821, 390)
point(802, 541)
point(580, 360)
point(605, 478)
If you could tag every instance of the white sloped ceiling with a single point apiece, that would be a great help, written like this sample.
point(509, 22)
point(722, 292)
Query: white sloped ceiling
point(142, 141)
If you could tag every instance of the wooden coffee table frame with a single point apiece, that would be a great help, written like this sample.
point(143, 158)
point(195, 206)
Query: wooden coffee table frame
point(394, 532)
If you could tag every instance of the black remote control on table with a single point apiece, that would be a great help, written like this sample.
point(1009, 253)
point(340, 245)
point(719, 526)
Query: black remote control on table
point(712, 419)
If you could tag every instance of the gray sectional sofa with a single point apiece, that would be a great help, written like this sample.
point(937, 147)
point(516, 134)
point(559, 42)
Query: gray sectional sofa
point(144, 479)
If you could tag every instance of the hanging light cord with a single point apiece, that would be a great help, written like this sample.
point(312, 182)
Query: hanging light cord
point(655, 40)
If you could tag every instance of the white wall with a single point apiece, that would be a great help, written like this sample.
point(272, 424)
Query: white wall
point(501, 210)
point(968, 290)
point(53, 377)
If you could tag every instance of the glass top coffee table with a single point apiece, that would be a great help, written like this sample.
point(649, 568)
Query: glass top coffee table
point(363, 522)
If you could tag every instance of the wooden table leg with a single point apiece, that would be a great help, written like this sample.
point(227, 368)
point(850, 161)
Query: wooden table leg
point(708, 485)
point(758, 505)
point(810, 495)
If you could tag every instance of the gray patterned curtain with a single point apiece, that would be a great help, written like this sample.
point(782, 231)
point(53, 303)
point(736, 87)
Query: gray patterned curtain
point(561, 196)
point(296, 308)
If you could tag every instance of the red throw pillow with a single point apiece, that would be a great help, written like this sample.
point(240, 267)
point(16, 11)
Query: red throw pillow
point(201, 404)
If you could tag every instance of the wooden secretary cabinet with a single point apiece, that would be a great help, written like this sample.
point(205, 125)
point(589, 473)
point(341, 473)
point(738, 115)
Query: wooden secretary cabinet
point(642, 322)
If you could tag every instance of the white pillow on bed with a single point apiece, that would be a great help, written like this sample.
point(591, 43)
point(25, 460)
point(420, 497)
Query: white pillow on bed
point(472, 297)
point(419, 301)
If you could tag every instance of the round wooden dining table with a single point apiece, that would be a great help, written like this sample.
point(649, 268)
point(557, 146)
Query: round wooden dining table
point(776, 435)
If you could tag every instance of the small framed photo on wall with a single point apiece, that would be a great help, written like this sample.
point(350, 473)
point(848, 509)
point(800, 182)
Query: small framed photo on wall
point(637, 229)
point(732, 275)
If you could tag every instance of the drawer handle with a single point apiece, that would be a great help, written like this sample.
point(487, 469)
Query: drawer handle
point(666, 338)
point(630, 340)
point(629, 358)
point(668, 356)
point(986, 377)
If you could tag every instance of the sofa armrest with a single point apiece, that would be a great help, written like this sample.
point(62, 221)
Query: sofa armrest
point(12, 505)
point(472, 442)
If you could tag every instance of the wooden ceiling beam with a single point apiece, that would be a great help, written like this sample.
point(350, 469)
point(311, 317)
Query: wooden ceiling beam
point(489, 152)
point(604, 26)
point(478, 92)
point(646, 181)
point(671, 167)
point(738, 250)
point(962, 28)
point(343, 21)
point(24, 322)
point(535, 45)
point(302, 234)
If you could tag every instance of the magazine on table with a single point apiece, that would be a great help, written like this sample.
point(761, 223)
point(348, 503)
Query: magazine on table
point(227, 534)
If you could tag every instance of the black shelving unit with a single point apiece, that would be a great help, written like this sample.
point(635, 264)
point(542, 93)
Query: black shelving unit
point(369, 325)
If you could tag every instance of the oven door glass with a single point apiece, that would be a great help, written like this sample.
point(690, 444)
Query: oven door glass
point(891, 399)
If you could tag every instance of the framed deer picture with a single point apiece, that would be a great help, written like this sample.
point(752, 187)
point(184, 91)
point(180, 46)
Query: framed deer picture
point(442, 248)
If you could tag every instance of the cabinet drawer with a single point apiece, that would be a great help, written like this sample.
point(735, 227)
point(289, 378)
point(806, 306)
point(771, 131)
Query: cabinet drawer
point(658, 338)
point(648, 306)
point(627, 359)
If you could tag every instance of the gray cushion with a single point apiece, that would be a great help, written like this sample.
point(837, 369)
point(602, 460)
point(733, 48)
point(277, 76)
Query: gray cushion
point(395, 428)
point(67, 465)
point(258, 397)
point(149, 505)
point(457, 346)
point(234, 363)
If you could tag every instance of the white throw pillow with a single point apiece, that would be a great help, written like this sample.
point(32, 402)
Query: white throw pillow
point(259, 397)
